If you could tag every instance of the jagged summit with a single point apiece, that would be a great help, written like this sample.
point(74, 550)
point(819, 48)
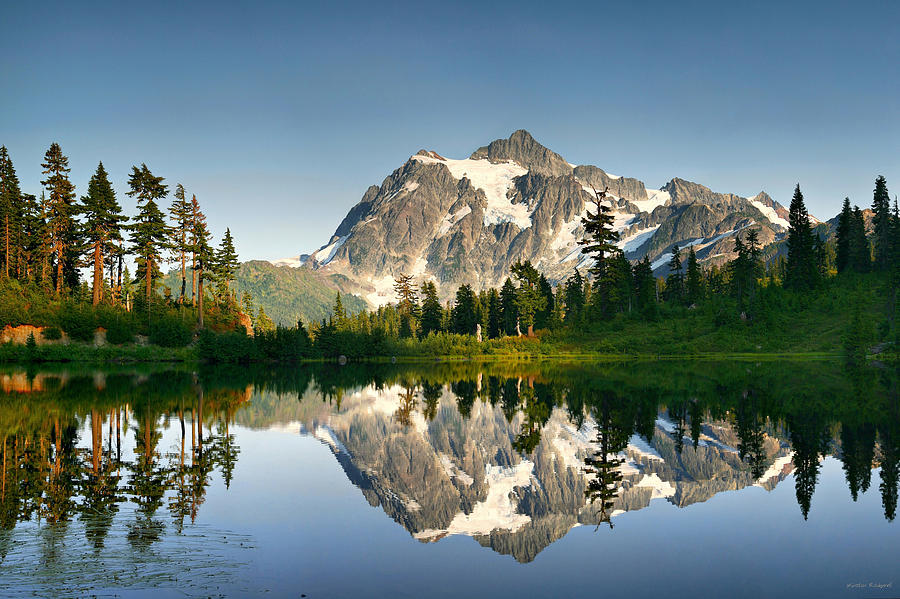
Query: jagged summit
point(523, 149)
point(468, 220)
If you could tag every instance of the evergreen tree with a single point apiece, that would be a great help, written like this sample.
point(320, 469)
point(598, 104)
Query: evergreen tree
point(338, 313)
point(149, 232)
point(574, 297)
point(35, 243)
point(509, 308)
point(463, 315)
point(843, 236)
point(11, 216)
point(226, 264)
point(431, 310)
point(495, 315)
point(881, 224)
point(542, 316)
point(102, 225)
point(694, 278)
point(801, 261)
point(202, 254)
point(860, 253)
point(529, 300)
point(599, 241)
point(615, 287)
point(740, 272)
point(645, 288)
point(408, 304)
point(263, 322)
point(60, 208)
point(675, 280)
point(181, 212)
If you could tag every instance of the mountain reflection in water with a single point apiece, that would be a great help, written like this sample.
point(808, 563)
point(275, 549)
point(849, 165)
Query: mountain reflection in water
point(513, 455)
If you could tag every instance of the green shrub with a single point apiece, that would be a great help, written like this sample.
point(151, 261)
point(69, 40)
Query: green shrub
point(78, 321)
point(170, 331)
point(119, 331)
point(52, 334)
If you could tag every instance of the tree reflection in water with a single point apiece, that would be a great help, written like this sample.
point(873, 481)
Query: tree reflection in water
point(774, 421)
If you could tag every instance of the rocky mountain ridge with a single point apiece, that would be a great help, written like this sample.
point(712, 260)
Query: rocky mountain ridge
point(468, 220)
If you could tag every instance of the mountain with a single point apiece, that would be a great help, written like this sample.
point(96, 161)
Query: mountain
point(461, 475)
point(469, 220)
point(287, 294)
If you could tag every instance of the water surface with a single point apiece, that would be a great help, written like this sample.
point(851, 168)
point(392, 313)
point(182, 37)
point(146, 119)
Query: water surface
point(678, 479)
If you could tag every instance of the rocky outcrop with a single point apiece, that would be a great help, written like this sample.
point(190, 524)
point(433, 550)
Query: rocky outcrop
point(523, 149)
point(19, 335)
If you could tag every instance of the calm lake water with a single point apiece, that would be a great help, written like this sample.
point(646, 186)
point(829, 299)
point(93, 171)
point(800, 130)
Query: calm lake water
point(451, 480)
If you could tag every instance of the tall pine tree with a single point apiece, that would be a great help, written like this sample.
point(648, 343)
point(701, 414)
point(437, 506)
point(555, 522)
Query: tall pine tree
point(149, 231)
point(801, 261)
point(675, 280)
point(694, 278)
point(181, 213)
point(881, 224)
point(599, 241)
point(431, 310)
point(860, 252)
point(60, 208)
point(529, 300)
point(509, 308)
point(226, 264)
point(11, 216)
point(101, 225)
point(202, 254)
point(845, 218)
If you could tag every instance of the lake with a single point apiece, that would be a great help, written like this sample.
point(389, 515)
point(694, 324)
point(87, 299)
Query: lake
point(738, 479)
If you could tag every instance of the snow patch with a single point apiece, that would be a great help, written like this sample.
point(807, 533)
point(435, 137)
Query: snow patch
point(325, 255)
point(451, 219)
point(384, 291)
point(636, 240)
point(453, 471)
point(655, 198)
point(327, 436)
point(661, 488)
point(497, 511)
point(775, 470)
point(661, 261)
point(495, 180)
point(769, 213)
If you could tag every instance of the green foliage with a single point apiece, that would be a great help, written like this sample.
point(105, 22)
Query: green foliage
point(233, 346)
point(225, 262)
point(119, 330)
point(52, 334)
point(802, 272)
point(149, 231)
point(287, 294)
point(170, 331)
point(599, 237)
point(881, 224)
point(529, 298)
point(60, 210)
point(78, 321)
point(464, 314)
point(431, 310)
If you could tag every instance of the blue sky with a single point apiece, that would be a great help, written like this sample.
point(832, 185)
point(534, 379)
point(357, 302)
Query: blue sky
point(279, 115)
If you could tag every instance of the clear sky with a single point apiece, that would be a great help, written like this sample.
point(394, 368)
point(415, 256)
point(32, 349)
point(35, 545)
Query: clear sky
point(279, 115)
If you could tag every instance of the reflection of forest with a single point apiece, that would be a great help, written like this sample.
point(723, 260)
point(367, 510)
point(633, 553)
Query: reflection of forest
point(47, 477)
point(513, 455)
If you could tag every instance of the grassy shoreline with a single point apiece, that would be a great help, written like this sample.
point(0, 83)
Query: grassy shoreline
point(87, 353)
